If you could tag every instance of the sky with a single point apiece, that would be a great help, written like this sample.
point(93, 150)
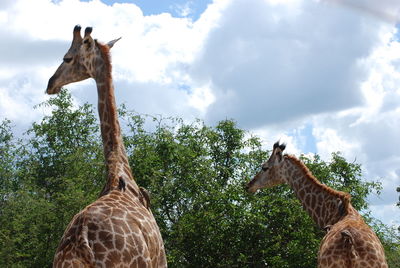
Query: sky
point(321, 75)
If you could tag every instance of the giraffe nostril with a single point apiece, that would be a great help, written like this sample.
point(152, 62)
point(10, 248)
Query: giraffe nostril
point(247, 187)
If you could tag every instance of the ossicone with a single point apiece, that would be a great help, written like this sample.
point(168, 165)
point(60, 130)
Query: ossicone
point(88, 31)
point(77, 34)
point(77, 28)
point(280, 146)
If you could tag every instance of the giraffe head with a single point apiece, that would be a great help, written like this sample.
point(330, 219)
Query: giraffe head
point(271, 171)
point(79, 62)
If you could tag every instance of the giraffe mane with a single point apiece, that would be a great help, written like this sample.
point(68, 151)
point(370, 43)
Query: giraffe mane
point(105, 52)
point(343, 196)
point(112, 110)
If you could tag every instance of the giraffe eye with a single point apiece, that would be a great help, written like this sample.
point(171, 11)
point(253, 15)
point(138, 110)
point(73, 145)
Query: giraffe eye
point(67, 60)
point(264, 168)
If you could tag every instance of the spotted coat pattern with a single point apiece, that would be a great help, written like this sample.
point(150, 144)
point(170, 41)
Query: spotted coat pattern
point(118, 229)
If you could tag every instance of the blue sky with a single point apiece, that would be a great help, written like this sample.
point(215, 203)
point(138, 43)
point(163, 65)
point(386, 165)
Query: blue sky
point(176, 8)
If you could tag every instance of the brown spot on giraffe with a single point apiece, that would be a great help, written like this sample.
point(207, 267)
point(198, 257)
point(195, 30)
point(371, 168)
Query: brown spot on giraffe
point(349, 241)
point(118, 229)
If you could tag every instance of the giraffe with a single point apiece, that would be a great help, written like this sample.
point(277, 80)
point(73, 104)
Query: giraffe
point(349, 241)
point(118, 229)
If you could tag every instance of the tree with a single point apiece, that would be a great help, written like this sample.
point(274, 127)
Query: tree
point(8, 185)
point(195, 174)
point(7, 156)
point(58, 171)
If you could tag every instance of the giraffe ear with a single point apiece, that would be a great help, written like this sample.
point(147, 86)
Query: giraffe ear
point(327, 228)
point(341, 206)
point(112, 42)
point(146, 196)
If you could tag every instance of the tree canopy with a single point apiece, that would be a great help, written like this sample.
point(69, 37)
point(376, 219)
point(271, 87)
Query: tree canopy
point(195, 174)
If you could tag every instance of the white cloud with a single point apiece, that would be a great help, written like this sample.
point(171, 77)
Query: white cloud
point(329, 140)
point(386, 212)
point(185, 9)
point(272, 134)
point(149, 61)
point(17, 99)
point(386, 10)
point(287, 61)
point(201, 98)
point(369, 133)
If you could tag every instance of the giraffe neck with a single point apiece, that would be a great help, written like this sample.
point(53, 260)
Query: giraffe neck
point(114, 150)
point(325, 205)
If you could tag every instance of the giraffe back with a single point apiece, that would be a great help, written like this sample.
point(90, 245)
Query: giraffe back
point(351, 243)
point(114, 231)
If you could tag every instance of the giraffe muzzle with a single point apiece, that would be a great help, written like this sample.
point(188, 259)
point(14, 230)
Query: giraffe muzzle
point(248, 187)
point(51, 89)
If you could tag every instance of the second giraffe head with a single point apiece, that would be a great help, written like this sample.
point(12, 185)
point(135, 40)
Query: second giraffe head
point(270, 174)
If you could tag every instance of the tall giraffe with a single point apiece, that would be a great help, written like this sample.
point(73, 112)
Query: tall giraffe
point(118, 229)
point(349, 242)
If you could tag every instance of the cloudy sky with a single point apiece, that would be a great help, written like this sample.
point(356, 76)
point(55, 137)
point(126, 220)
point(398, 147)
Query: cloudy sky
point(322, 75)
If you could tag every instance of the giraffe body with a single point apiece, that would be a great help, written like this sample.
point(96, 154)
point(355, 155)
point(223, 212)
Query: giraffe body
point(118, 229)
point(132, 243)
point(349, 241)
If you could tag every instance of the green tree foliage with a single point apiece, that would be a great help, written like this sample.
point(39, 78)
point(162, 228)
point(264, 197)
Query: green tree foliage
point(56, 172)
point(195, 174)
point(7, 155)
